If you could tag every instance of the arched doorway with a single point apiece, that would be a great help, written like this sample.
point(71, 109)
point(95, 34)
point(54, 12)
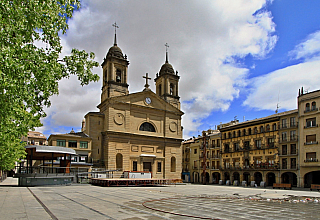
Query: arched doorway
point(195, 177)
point(226, 176)
point(257, 178)
point(271, 179)
point(215, 177)
point(246, 177)
point(119, 161)
point(207, 177)
point(289, 177)
point(311, 178)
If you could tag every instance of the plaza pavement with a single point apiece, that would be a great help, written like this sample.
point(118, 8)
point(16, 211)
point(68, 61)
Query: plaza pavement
point(166, 202)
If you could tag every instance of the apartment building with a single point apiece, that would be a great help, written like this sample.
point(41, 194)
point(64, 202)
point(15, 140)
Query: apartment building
point(280, 148)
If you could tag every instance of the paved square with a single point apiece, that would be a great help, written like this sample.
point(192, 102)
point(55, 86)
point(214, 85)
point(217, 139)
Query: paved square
point(168, 202)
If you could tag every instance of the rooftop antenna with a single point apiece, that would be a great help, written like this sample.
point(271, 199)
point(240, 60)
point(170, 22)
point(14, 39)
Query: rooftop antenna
point(278, 106)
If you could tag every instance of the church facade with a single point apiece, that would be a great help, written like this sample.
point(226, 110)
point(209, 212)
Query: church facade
point(139, 131)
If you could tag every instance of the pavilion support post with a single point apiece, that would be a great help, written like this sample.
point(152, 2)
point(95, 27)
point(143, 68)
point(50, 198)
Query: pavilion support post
point(52, 162)
point(43, 165)
point(31, 158)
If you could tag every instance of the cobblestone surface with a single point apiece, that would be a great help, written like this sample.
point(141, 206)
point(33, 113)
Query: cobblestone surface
point(171, 202)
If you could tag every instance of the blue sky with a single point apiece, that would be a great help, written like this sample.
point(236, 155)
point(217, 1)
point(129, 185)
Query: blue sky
point(236, 58)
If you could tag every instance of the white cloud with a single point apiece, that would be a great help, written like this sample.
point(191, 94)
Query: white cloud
point(204, 38)
point(308, 49)
point(283, 84)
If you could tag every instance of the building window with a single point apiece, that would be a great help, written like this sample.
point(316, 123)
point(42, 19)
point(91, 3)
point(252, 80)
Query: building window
point(118, 75)
point(246, 145)
point(234, 134)
point(226, 148)
point(284, 136)
point(244, 132)
point(307, 107)
point(257, 144)
point(274, 127)
point(134, 166)
point(213, 143)
point(159, 167)
point(311, 139)
point(293, 149)
point(255, 130)
point(61, 143)
point(293, 163)
point(173, 164)
point(229, 135)
point(311, 157)
point(239, 133)
point(292, 122)
point(249, 131)
point(225, 135)
point(195, 151)
point(236, 146)
point(84, 144)
point(72, 144)
point(268, 128)
point(284, 150)
point(313, 106)
point(261, 129)
point(146, 126)
point(293, 136)
point(284, 123)
point(284, 163)
point(270, 142)
point(160, 90)
point(311, 122)
point(218, 143)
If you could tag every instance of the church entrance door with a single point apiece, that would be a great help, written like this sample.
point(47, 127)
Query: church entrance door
point(147, 166)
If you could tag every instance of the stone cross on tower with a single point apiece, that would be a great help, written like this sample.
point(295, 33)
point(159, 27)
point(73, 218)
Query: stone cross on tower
point(167, 46)
point(115, 33)
point(146, 85)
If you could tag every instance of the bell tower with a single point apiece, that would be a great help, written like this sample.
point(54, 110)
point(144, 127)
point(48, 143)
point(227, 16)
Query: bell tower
point(115, 71)
point(167, 83)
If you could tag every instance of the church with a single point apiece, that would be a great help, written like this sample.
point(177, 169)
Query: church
point(136, 131)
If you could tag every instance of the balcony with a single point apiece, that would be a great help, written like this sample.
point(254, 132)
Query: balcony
point(313, 109)
point(312, 126)
point(311, 142)
point(261, 166)
point(311, 160)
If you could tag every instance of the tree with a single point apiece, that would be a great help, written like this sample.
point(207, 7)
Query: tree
point(29, 74)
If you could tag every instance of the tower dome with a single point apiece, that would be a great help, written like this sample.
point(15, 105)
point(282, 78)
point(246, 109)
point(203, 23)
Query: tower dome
point(166, 69)
point(115, 51)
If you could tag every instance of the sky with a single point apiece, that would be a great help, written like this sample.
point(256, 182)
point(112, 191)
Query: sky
point(237, 59)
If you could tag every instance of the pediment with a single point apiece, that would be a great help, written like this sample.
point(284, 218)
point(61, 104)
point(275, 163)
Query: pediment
point(146, 99)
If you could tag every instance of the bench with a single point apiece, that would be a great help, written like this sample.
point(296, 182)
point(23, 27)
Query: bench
point(282, 185)
point(315, 186)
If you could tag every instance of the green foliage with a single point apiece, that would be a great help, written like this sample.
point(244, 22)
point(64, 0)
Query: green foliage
point(29, 74)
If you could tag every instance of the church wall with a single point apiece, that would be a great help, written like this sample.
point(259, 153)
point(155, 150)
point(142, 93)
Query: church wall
point(94, 126)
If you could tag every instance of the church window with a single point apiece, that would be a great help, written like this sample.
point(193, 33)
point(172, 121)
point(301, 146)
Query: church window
point(119, 161)
point(146, 126)
point(173, 164)
point(134, 166)
point(159, 167)
point(118, 75)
